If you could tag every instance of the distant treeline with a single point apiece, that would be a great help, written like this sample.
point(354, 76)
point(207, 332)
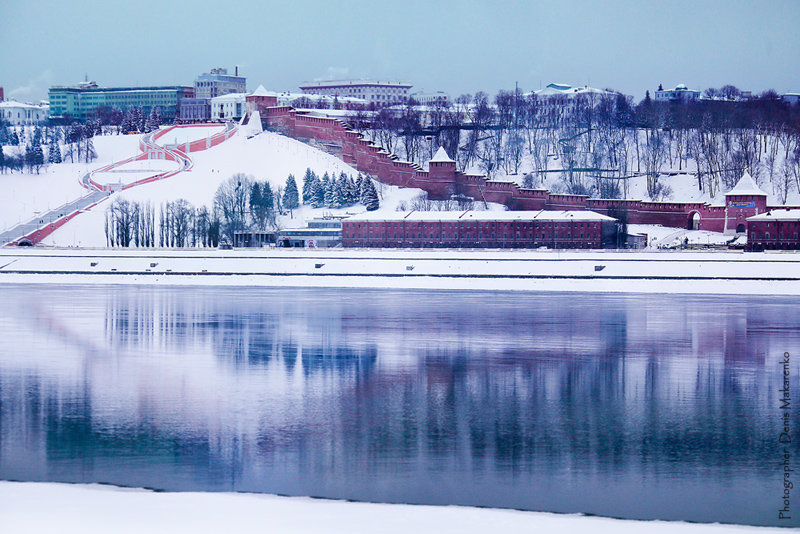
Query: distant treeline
point(601, 139)
point(241, 203)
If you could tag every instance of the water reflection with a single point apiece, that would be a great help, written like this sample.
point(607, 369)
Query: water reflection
point(632, 406)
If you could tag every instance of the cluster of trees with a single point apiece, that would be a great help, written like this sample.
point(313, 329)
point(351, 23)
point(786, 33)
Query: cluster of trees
point(56, 142)
point(422, 203)
point(38, 146)
point(118, 121)
point(175, 224)
point(134, 121)
point(596, 141)
point(342, 192)
point(241, 203)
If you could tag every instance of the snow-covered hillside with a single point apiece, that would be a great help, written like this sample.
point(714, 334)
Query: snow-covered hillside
point(266, 157)
point(26, 194)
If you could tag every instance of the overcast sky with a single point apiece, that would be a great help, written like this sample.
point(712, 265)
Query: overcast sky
point(458, 47)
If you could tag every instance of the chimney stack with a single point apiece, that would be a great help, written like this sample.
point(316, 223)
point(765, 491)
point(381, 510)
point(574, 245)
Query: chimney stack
point(237, 70)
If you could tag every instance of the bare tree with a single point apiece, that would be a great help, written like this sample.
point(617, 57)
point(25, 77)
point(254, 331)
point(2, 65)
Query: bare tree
point(232, 200)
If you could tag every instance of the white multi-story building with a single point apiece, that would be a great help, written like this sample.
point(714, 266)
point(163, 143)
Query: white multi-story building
point(431, 99)
point(681, 93)
point(230, 107)
point(373, 91)
point(21, 114)
point(791, 98)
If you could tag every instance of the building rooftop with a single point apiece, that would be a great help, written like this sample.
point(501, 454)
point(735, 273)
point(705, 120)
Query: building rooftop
point(340, 83)
point(435, 216)
point(230, 97)
point(15, 104)
point(777, 215)
point(746, 187)
point(120, 89)
point(441, 156)
point(564, 89)
point(261, 91)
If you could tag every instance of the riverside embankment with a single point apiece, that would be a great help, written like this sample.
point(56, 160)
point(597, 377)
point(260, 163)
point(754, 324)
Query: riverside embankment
point(674, 272)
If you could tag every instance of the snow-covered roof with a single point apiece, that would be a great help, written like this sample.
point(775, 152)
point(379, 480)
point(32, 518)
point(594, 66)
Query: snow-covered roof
point(341, 83)
point(261, 91)
point(15, 104)
point(746, 186)
point(230, 97)
point(777, 215)
point(436, 216)
point(441, 156)
point(564, 89)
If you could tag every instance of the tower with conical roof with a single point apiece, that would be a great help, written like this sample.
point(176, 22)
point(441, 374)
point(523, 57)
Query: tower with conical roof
point(743, 201)
point(441, 176)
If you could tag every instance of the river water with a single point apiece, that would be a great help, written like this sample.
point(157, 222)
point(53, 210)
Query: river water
point(634, 406)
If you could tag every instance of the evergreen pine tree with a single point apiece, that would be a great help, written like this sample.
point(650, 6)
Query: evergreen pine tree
point(268, 202)
point(156, 117)
point(53, 153)
point(360, 189)
point(330, 186)
point(30, 157)
point(291, 200)
point(153, 120)
point(2, 160)
point(339, 193)
point(256, 203)
point(371, 201)
point(317, 193)
point(38, 154)
point(352, 191)
point(125, 125)
point(308, 180)
point(13, 138)
point(137, 119)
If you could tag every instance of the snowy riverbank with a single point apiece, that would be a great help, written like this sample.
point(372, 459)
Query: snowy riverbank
point(65, 508)
point(669, 272)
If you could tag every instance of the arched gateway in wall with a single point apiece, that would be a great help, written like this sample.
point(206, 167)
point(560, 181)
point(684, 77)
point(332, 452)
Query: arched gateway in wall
point(694, 221)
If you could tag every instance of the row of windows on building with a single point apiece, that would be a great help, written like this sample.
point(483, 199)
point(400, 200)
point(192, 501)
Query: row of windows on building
point(520, 235)
point(510, 245)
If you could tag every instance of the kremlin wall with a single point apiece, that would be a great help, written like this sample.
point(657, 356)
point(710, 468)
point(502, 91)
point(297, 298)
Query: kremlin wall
point(441, 181)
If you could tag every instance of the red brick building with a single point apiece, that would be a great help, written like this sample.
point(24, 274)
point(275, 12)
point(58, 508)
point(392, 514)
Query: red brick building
point(775, 230)
point(481, 229)
point(743, 201)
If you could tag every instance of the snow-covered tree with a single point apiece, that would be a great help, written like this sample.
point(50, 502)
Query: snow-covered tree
point(256, 213)
point(54, 153)
point(330, 195)
point(232, 201)
point(317, 198)
point(370, 195)
point(308, 181)
point(153, 120)
point(291, 199)
point(360, 188)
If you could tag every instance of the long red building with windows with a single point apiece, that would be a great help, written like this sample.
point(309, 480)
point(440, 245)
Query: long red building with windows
point(774, 230)
point(481, 229)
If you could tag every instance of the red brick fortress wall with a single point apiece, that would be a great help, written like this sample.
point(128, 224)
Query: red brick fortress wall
point(442, 180)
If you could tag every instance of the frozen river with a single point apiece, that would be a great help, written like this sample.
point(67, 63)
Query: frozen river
point(634, 406)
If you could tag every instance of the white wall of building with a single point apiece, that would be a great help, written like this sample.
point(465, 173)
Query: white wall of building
point(228, 107)
point(20, 114)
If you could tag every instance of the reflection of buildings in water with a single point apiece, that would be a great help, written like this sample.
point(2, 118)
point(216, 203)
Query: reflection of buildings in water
point(511, 383)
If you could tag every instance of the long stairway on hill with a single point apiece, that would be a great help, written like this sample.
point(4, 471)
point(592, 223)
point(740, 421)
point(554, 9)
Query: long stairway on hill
point(42, 225)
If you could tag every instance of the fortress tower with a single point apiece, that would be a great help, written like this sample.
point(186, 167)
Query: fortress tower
point(741, 202)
